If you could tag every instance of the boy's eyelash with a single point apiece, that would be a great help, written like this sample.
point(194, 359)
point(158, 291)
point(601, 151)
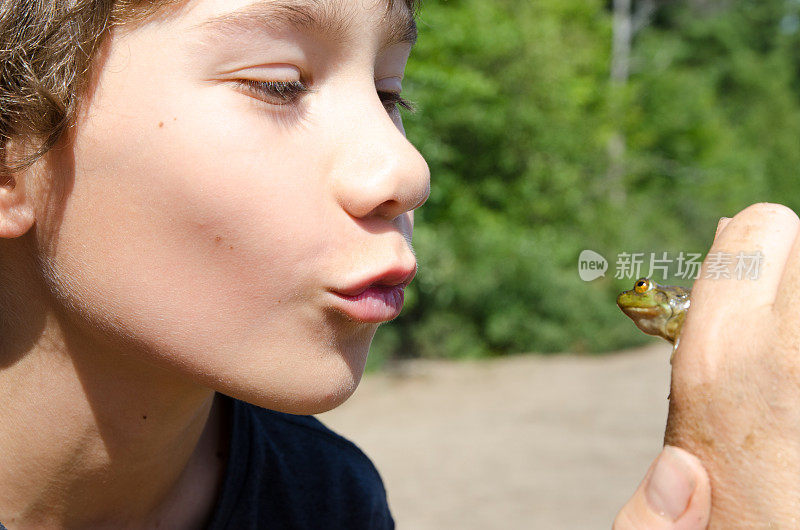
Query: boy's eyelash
point(283, 90)
point(394, 98)
point(288, 91)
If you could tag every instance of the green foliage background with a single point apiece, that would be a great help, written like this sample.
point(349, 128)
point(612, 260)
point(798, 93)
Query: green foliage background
point(515, 112)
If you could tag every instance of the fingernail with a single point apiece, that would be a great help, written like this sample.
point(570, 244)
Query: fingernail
point(671, 485)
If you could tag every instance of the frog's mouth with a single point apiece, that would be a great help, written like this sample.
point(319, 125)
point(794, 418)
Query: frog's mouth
point(641, 311)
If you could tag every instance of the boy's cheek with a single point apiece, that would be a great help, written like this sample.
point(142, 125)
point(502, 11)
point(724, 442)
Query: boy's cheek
point(184, 242)
point(243, 320)
point(207, 261)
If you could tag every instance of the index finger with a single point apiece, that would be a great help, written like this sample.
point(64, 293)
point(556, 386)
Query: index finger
point(765, 234)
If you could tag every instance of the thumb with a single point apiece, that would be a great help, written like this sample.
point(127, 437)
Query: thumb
point(675, 494)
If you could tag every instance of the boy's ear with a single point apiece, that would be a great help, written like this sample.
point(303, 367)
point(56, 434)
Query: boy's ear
point(16, 210)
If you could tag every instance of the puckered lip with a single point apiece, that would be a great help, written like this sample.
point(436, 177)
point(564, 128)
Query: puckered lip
point(395, 276)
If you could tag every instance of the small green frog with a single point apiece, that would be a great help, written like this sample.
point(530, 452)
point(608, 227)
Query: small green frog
point(656, 309)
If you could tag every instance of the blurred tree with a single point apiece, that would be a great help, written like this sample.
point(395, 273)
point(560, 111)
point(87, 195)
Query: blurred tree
point(516, 109)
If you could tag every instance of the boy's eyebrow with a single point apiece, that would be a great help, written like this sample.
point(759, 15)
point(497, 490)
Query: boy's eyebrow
point(326, 17)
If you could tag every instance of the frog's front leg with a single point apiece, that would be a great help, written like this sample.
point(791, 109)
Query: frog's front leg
point(673, 331)
point(674, 348)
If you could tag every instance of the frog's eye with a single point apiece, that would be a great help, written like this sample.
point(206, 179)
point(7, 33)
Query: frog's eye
point(642, 285)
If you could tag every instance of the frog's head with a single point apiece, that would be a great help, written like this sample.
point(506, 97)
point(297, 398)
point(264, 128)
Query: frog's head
point(648, 305)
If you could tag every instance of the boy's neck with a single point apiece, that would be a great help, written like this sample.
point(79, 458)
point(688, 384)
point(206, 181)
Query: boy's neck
point(92, 437)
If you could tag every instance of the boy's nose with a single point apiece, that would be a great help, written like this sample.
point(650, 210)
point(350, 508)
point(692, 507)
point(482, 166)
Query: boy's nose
point(378, 172)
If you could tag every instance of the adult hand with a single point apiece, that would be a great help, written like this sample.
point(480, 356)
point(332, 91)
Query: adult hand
point(674, 495)
point(735, 396)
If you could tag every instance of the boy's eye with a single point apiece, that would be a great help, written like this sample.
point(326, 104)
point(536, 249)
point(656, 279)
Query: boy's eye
point(287, 92)
point(275, 92)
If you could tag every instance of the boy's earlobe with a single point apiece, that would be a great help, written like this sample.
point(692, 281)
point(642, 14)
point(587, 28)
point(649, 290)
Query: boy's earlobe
point(16, 212)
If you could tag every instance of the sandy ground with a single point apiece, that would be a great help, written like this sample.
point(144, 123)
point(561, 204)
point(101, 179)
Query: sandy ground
point(521, 442)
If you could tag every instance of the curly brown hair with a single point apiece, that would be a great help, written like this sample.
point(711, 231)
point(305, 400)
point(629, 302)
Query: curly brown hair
point(46, 48)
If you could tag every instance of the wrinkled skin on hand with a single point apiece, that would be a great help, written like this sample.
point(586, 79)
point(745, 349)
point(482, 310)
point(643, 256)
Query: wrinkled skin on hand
point(735, 393)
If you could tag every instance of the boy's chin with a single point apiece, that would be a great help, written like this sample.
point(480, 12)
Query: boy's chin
point(305, 378)
point(319, 390)
point(321, 399)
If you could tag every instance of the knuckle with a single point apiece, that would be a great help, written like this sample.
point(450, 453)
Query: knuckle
point(769, 210)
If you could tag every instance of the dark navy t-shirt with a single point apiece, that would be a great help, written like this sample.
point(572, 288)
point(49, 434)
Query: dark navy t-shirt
point(292, 472)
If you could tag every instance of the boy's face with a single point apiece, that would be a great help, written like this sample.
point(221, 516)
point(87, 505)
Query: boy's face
point(208, 224)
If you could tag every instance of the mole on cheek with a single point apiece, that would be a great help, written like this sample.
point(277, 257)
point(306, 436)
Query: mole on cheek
point(218, 239)
point(160, 124)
